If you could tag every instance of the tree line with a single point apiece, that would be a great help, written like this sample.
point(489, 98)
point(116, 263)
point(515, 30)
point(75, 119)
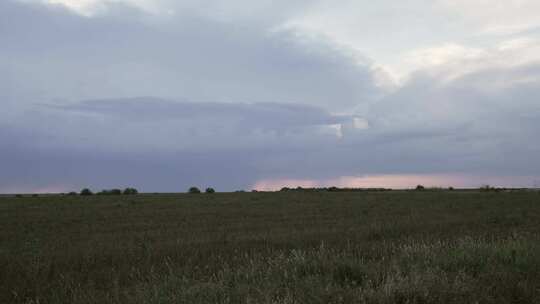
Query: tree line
point(133, 191)
point(126, 191)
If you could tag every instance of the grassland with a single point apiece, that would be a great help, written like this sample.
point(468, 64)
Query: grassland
point(358, 247)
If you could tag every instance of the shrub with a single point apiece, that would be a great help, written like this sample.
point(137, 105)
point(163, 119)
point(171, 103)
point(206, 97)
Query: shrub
point(333, 189)
point(487, 188)
point(210, 190)
point(420, 188)
point(130, 191)
point(116, 192)
point(111, 192)
point(86, 192)
point(73, 193)
point(18, 195)
point(194, 190)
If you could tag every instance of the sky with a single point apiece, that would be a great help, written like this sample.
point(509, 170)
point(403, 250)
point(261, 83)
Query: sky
point(162, 95)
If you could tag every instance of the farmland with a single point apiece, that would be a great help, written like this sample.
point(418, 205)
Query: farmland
point(293, 247)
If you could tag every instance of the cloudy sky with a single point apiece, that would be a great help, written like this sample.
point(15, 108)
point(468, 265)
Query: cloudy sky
point(237, 94)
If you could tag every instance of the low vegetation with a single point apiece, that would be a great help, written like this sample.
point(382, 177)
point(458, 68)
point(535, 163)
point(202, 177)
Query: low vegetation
point(194, 190)
point(285, 247)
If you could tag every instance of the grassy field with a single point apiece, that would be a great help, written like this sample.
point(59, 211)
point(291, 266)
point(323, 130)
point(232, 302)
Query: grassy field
point(358, 247)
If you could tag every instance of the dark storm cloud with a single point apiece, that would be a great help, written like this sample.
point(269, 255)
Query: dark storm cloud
point(158, 144)
point(238, 103)
point(264, 115)
point(163, 145)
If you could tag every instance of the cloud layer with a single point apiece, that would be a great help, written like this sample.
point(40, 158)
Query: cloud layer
point(166, 94)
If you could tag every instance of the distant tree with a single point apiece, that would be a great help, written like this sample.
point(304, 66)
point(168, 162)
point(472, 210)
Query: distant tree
point(210, 190)
point(487, 188)
point(18, 195)
point(35, 195)
point(111, 192)
point(130, 191)
point(285, 189)
point(333, 189)
point(451, 188)
point(116, 192)
point(86, 192)
point(72, 193)
point(420, 188)
point(194, 190)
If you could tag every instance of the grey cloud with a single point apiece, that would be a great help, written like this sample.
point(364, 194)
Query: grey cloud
point(265, 115)
point(55, 54)
point(158, 144)
point(161, 145)
point(265, 107)
point(480, 122)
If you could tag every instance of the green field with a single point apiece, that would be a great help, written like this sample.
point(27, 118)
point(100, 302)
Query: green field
point(294, 247)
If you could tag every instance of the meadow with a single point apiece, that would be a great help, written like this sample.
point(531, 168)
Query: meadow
point(292, 247)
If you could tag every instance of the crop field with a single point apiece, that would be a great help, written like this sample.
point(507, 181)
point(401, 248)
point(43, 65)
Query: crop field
point(285, 247)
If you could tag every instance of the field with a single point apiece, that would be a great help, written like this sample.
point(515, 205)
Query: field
point(294, 247)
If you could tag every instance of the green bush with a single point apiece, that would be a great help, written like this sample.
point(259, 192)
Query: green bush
point(130, 191)
point(194, 190)
point(210, 190)
point(86, 192)
point(111, 192)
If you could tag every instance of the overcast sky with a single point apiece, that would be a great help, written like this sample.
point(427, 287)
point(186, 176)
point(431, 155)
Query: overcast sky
point(234, 94)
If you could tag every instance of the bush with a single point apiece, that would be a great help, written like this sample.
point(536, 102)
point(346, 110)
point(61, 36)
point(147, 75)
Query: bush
point(488, 188)
point(194, 190)
point(86, 192)
point(420, 188)
point(130, 191)
point(18, 195)
point(111, 192)
point(210, 190)
point(73, 193)
point(116, 192)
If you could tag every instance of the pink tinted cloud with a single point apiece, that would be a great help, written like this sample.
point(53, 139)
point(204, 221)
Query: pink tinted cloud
point(401, 181)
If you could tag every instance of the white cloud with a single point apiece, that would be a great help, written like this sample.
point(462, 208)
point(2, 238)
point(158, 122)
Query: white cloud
point(445, 54)
point(496, 17)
